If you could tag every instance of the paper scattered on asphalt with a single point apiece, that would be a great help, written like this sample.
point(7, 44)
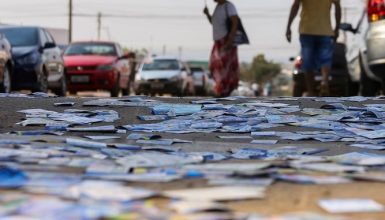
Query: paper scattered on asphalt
point(350, 205)
point(226, 193)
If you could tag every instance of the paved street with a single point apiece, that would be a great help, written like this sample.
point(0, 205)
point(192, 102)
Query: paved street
point(281, 197)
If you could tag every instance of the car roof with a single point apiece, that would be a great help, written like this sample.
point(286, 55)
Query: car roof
point(92, 41)
point(165, 58)
point(19, 27)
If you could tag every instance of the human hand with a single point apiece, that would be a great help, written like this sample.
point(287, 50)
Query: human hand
point(288, 35)
point(336, 34)
point(206, 11)
point(228, 45)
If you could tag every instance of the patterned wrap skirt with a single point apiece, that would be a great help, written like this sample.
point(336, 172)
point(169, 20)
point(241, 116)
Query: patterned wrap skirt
point(224, 67)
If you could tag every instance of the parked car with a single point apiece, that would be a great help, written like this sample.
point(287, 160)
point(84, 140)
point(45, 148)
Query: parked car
point(96, 66)
point(38, 61)
point(200, 80)
point(366, 54)
point(340, 82)
point(244, 89)
point(6, 65)
point(164, 75)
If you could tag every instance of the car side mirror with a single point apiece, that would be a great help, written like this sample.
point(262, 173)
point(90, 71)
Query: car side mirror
point(49, 45)
point(347, 27)
point(124, 57)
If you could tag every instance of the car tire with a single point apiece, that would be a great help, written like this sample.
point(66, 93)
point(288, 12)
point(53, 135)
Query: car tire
point(6, 84)
point(62, 91)
point(42, 82)
point(369, 87)
point(125, 92)
point(353, 88)
point(299, 86)
point(115, 91)
point(297, 90)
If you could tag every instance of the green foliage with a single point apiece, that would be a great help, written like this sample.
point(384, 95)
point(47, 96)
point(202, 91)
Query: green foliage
point(260, 70)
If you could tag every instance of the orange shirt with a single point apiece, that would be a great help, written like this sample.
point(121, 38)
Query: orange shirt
point(315, 17)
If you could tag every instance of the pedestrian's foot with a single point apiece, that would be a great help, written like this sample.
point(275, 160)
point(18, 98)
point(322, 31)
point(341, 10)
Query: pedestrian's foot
point(324, 89)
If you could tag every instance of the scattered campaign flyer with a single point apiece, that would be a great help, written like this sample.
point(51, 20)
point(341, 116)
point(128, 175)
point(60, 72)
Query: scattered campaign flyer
point(217, 194)
point(350, 205)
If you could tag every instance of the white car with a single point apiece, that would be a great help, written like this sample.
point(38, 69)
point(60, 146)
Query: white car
point(366, 54)
point(164, 75)
point(244, 89)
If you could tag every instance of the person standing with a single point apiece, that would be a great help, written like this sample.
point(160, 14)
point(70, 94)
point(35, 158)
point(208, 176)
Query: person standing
point(224, 64)
point(317, 37)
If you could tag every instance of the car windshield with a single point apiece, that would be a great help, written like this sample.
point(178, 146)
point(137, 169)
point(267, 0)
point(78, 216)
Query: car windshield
point(162, 65)
point(21, 37)
point(91, 49)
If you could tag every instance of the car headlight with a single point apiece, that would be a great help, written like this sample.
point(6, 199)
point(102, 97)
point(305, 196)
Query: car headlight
point(31, 58)
point(108, 67)
point(138, 77)
point(175, 78)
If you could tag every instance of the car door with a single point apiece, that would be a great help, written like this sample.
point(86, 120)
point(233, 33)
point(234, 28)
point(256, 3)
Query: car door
point(123, 67)
point(53, 58)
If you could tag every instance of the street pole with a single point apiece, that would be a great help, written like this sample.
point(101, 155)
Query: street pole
point(99, 24)
point(70, 22)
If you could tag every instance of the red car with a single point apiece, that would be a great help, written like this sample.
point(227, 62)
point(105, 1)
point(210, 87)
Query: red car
point(96, 66)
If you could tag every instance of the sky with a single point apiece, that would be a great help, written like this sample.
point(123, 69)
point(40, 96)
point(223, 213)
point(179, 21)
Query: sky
point(171, 26)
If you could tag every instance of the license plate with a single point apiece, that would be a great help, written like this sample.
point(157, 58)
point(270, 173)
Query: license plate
point(80, 79)
point(157, 85)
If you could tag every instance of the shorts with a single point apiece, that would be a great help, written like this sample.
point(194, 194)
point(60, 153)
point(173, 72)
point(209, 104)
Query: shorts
point(316, 52)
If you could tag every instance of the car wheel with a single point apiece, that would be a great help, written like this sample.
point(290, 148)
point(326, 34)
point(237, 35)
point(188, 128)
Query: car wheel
point(5, 85)
point(353, 88)
point(115, 91)
point(298, 90)
point(62, 91)
point(42, 82)
point(125, 92)
point(299, 86)
point(369, 87)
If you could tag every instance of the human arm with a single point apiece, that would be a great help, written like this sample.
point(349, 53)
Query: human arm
point(293, 13)
point(207, 13)
point(338, 18)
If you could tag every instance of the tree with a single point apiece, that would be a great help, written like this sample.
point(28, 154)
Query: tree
point(261, 70)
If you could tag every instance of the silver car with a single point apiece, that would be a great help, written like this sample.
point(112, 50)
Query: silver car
point(164, 75)
point(366, 54)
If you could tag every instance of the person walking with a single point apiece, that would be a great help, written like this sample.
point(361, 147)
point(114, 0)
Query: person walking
point(133, 69)
point(317, 37)
point(224, 64)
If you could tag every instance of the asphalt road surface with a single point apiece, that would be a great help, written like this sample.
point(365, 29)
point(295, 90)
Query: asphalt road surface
point(280, 198)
